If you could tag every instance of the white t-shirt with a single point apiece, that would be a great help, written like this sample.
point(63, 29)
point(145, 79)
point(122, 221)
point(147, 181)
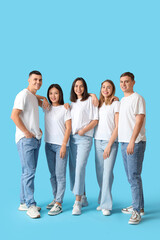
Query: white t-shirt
point(106, 124)
point(82, 113)
point(28, 103)
point(55, 119)
point(129, 108)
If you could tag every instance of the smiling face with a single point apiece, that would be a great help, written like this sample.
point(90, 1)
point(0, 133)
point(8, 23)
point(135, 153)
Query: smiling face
point(54, 96)
point(79, 89)
point(106, 90)
point(35, 83)
point(126, 84)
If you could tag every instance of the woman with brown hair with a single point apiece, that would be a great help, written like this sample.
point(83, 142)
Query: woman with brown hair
point(106, 144)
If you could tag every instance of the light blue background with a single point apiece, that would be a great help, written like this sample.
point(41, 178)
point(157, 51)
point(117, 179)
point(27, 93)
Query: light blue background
point(64, 40)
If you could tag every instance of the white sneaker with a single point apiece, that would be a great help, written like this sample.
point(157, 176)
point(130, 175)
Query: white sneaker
point(77, 208)
point(56, 209)
point(106, 212)
point(23, 207)
point(129, 210)
point(84, 201)
point(50, 205)
point(135, 218)
point(98, 208)
point(33, 212)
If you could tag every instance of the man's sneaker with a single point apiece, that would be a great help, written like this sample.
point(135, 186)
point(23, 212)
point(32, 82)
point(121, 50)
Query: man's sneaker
point(129, 210)
point(77, 208)
point(56, 209)
point(23, 207)
point(84, 201)
point(33, 212)
point(50, 205)
point(98, 208)
point(106, 212)
point(135, 218)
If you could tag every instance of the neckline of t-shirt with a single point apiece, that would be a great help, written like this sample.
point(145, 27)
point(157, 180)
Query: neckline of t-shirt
point(56, 106)
point(30, 92)
point(130, 95)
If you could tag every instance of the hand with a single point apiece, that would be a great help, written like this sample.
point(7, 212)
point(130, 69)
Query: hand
point(45, 104)
point(63, 151)
point(114, 98)
point(130, 148)
point(94, 100)
point(81, 132)
point(40, 131)
point(106, 152)
point(28, 134)
point(66, 105)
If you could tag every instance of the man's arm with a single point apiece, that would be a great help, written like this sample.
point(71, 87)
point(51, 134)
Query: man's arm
point(42, 101)
point(18, 122)
point(136, 131)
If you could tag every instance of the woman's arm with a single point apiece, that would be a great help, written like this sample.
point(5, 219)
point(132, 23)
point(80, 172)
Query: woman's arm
point(91, 125)
point(65, 139)
point(107, 150)
point(95, 100)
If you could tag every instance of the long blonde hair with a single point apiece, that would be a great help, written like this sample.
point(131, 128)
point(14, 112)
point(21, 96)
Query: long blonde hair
point(108, 100)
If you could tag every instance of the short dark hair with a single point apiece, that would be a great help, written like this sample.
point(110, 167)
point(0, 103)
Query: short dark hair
point(35, 72)
point(85, 95)
point(61, 101)
point(129, 74)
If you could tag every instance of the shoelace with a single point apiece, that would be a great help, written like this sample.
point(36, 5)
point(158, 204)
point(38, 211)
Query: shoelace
point(134, 214)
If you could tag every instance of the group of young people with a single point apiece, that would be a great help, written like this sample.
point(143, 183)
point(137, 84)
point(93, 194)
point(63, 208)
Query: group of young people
point(69, 130)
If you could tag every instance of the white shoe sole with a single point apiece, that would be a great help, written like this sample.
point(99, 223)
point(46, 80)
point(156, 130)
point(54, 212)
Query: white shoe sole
point(53, 214)
point(31, 216)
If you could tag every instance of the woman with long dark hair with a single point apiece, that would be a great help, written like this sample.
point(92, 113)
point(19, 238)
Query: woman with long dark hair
point(84, 119)
point(57, 132)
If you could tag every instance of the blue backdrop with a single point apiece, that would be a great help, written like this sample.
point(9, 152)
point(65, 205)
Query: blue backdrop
point(66, 39)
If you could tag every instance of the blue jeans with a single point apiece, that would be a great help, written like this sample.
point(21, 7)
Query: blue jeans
point(104, 171)
point(57, 168)
point(133, 168)
point(28, 149)
point(79, 150)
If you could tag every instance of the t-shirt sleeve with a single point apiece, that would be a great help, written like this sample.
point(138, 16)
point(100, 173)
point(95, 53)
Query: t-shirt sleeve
point(19, 102)
point(140, 107)
point(67, 114)
point(116, 106)
point(93, 111)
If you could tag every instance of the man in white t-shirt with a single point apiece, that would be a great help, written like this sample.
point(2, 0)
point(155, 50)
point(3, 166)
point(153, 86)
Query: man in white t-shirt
point(25, 115)
point(131, 134)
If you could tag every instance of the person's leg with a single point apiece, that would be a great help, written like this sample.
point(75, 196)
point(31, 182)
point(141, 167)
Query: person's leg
point(20, 151)
point(134, 172)
point(84, 144)
point(60, 174)
point(51, 160)
point(99, 162)
point(27, 148)
point(72, 160)
point(106, 197)
point(124, 156)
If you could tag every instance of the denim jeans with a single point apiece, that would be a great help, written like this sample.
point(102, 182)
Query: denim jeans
point(133, 168)
point(79, 150)
point(28, 149)
point(57, 168)
point(104, 171)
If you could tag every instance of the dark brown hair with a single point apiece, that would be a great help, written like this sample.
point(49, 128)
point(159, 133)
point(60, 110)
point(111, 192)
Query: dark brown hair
point(35, 72)
point(61, 101)
point(85, 95)
point(108, 100)
point(129, 74)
